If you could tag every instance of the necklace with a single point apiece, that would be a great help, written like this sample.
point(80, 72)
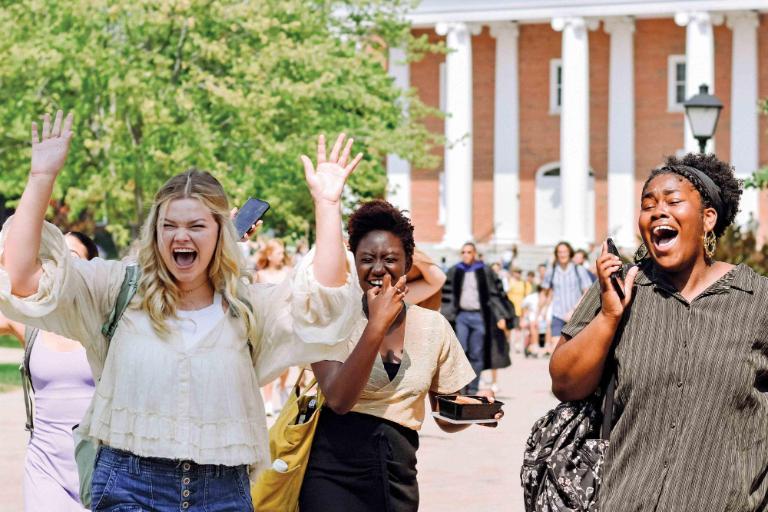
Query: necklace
point(187, 292)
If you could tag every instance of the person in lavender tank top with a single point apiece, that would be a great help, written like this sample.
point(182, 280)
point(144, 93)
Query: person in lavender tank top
point(63, 384)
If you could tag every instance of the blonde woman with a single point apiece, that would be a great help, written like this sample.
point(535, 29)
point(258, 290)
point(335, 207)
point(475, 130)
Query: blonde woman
point(177, 407)
point(274, 266)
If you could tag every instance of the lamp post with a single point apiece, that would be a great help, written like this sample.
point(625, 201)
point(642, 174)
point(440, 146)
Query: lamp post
point(703, 112)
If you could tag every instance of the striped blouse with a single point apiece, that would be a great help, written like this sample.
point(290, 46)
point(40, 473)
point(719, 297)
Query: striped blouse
point(692, 396)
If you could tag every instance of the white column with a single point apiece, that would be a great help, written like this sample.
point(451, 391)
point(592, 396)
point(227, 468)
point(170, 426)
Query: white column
point(458, 133)
point(699, 61)
point(506, 140)
point(398, 169)
point(574, 128)
point(745, 148)
point(621, 132)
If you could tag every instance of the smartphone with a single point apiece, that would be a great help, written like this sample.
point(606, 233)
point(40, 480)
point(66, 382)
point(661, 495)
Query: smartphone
point(249, 214)
point(616, 275)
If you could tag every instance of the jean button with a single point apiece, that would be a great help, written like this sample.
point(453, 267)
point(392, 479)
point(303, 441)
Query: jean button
point(185, 504)
point(186, 466)
point(185, 493)
point(185, 480)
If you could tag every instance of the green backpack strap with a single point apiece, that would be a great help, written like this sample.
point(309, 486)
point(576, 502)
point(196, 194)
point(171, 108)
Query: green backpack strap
point(30, 335)
point(127, 291)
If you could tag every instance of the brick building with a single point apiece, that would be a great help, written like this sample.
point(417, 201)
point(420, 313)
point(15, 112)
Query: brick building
point(558, 109)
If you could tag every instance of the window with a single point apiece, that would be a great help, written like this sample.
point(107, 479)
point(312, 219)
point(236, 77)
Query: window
point(676, 83)
point(555, 85)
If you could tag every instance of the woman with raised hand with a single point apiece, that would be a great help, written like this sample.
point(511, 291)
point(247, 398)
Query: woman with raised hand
point(363, 456)
point(60, 380)
point(690, 347)
point(177, 408)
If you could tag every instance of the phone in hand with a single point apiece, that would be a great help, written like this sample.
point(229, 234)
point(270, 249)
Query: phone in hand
point(616, 275)
point(250, 213)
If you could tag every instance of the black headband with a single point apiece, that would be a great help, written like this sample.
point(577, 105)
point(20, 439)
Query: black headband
point(711, 190)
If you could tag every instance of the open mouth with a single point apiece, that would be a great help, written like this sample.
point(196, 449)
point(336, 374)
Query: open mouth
point(663, 237)
point(375, 282)
point(184, 257)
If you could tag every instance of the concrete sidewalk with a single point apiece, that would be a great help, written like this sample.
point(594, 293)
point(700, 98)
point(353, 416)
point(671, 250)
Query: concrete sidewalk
point(477, 470)
point(11, 355)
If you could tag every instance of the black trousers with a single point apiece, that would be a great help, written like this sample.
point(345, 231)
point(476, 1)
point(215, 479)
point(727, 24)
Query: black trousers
point(360, 463)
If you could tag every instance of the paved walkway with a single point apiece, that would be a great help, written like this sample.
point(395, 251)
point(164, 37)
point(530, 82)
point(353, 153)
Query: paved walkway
point(11, 355)
point(477, 470)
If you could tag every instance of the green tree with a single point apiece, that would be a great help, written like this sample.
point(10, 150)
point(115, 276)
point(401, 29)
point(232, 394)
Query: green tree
point(239, 88)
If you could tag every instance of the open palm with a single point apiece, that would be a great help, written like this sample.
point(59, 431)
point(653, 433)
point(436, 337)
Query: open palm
point(326, 182)
point(49, 152)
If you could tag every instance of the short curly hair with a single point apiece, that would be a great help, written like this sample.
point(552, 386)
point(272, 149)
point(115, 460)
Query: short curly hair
point(719, 171)
point(380, 215)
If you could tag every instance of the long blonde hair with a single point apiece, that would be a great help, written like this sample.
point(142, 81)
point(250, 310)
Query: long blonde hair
point(158, 290)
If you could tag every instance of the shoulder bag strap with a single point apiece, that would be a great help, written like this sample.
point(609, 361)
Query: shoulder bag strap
point(30, 335)
point(610, 391)
point(127, 291)
point(578, 276)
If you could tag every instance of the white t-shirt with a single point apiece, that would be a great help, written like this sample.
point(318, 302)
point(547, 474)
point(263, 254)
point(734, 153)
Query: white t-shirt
point(194, 325)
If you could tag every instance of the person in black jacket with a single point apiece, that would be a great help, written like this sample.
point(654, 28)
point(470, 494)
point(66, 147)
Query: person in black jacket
point(475, 304)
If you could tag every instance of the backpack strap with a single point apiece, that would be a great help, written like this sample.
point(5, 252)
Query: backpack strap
point(30, 335)
point(127, 291)
point(578, 276)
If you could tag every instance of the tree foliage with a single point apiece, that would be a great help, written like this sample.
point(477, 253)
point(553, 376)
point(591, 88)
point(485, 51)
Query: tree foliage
point(740, 245)
point(239, 88)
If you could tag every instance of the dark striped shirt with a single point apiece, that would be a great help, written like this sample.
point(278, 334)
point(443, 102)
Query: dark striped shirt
point(692, 397)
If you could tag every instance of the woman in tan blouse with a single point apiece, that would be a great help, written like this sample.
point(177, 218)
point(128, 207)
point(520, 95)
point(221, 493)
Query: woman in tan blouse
point(363, 456)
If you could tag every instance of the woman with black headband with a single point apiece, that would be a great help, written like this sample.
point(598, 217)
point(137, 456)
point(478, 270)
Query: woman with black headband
point(689, 348)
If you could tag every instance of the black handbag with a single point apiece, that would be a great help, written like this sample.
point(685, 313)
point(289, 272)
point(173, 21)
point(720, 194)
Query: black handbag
point(565, 453)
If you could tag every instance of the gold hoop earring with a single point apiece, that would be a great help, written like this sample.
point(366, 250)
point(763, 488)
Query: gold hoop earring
point(641, 253)
point(710, 244)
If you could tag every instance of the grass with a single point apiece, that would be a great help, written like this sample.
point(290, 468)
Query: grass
point(9, 341)
point(9, 377)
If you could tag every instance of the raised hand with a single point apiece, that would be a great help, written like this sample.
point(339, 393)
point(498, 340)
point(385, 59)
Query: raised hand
point(326, 182)
point(49, 152)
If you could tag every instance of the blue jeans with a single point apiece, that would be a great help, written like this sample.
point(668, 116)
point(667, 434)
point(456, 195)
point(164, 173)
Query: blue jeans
point(470, 329)
point(124, 482)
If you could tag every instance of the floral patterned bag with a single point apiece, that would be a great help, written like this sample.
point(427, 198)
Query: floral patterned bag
point(563, 460)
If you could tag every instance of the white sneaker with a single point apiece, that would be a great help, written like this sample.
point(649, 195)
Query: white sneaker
point(269, 409)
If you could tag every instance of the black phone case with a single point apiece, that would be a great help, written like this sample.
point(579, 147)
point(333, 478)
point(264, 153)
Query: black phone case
point(618, 274)
point(249, 214)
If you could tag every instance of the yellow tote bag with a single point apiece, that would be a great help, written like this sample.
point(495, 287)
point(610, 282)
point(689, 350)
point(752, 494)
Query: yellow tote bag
point(278, 491)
